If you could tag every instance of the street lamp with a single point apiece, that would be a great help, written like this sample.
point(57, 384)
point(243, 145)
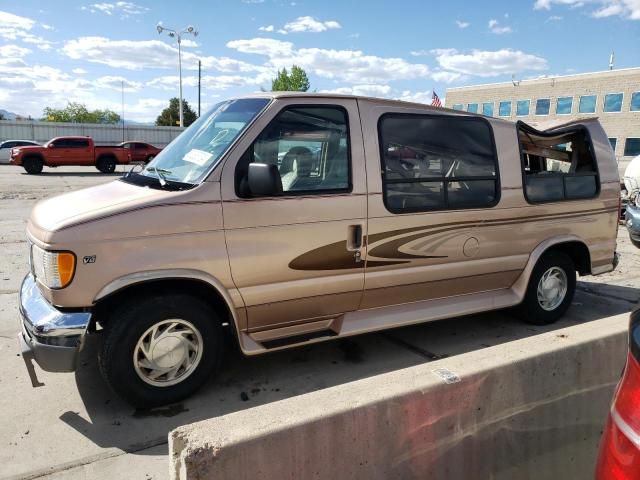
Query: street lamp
point(178, 34)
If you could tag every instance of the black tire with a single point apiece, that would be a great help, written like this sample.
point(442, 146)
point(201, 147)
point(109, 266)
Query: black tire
point(33, 165)
point(635, 243)
point(149, 158)
point(531, 309)
point(106, 164)
point(129, 323)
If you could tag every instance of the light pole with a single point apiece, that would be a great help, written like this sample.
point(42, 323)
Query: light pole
point(178, 35)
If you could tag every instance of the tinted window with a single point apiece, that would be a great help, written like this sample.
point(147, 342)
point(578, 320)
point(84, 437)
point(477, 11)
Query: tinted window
point(635, 102)
point(472, 107)
point(522, 107)
point(563, 105)
point(61, 143)
point(504, 109)
point(587, 104)
point(487, 109)
point(612, 102)
point(77, 143)
point(7, 144)
point(613, 142)
point(310, 146)
point(140, 145)
point(543, 105)
point(458, 106)
point(432, 162)
point(632, 147)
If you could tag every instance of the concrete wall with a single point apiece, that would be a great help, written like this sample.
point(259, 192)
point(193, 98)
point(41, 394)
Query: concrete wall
point(529, 409)
point(619, 125)
point(102, 134)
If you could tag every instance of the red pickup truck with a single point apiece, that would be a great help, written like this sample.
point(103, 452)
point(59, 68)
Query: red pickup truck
point(63, 151)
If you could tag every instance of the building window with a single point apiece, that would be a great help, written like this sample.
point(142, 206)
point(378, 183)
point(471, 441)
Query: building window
point(557, 167)
point(434, 162)
point(613, 142)
point(587, 104)
point(522, 107)
point(632, 147)
point(635, 102)
point(472, 107)
point(543, 105)
point(563, 105)
point(487, 109)
point(504, 109)
point(612, 102)
point(458, 106)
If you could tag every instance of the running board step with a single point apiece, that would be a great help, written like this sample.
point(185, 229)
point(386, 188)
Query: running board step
point(297, 339)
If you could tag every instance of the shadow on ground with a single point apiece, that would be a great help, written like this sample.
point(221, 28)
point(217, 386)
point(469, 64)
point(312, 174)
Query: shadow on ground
point(245, 382)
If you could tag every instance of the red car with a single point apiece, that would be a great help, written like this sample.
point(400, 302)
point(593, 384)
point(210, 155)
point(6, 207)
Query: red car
point(619, 456)
point(141, 152)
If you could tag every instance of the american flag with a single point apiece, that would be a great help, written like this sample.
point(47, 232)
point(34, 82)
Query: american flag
point(435, 100)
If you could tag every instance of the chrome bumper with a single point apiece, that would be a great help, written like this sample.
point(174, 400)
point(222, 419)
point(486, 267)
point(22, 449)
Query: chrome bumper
point(49, 336)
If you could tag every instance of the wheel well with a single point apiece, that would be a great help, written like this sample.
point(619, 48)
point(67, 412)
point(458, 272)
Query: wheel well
point(106, 156)
point(578, 252)
point(198, 288)
point(34, 155)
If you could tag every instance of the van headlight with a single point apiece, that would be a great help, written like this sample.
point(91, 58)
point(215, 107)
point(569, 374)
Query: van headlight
point(53, 269)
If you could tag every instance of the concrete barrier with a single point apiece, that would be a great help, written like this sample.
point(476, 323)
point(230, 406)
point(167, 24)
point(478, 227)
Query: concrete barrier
point(532, 408)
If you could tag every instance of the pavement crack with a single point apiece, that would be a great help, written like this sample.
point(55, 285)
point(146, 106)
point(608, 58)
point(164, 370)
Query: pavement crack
point(413, 348)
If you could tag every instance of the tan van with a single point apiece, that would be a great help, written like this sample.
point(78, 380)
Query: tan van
point(297, 218)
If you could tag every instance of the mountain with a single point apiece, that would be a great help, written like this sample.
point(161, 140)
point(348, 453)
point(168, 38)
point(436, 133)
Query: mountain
point(7, 115)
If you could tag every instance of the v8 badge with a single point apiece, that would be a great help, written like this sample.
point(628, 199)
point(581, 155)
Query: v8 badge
point(89, 259)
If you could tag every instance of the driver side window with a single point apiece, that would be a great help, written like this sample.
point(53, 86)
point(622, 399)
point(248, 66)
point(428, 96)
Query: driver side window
point(310, 147)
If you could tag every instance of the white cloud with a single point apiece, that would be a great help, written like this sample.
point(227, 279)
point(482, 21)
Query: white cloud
point(628, 9)
point(188, 43)
point(117, 83)
point(124, 9)
point(447, 77)
point(138, 55)
point(46, 26)
point(209, 82)
point(485, 63)
point(13, 51)
point(309, 24)
point(14, 27)
point(554, 18)
point(462, 24)
point(347, 65)
point(416, 97)
point(495, 27)
point(363, 90)
point(79, 71)
point(268, 28)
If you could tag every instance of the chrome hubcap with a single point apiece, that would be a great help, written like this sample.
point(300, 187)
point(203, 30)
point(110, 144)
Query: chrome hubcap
point(552, 288)
point(167, 353)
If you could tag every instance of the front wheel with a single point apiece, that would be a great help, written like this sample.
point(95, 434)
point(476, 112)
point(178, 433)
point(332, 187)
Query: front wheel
point(106, 164)
point(160, 349)
point(33, 165)
point(550, 290)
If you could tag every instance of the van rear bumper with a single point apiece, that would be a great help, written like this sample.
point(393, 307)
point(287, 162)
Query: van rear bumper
point(49, 336)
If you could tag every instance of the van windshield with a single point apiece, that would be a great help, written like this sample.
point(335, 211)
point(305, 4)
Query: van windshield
point(192, 155)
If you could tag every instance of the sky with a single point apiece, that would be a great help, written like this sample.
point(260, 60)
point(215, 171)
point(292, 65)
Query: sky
point(54, 52)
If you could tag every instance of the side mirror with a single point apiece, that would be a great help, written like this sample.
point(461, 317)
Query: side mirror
point(264, 179)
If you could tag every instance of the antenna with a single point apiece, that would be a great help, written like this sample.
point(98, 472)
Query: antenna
point(611, 60)
point(514, 81)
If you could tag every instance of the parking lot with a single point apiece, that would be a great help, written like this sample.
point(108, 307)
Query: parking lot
point(74, 427)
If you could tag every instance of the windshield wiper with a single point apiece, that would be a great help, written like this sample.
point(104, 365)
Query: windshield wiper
point(161, 172)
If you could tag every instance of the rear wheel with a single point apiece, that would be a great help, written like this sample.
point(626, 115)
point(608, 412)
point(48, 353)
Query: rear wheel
point(160, 349)
point(635, 243)
point(33, 165)
point(106, 164)
point(551, 289)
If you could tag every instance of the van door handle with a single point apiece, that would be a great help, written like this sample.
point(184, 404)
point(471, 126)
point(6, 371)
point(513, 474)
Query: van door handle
point(354, 240)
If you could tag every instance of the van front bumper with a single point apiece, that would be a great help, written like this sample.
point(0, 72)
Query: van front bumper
point(49, 336)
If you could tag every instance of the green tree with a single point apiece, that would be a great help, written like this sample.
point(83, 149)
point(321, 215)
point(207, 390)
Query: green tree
point(170, 116)
point(79, 113)
point(296, 81)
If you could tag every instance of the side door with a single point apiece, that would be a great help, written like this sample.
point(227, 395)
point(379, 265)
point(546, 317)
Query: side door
point(80, 152)
point(57, 152)
point(435, 176)
point(5, 151)
point(297, 256)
